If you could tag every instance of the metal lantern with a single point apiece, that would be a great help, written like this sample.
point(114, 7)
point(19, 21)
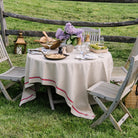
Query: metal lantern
point(20, 45)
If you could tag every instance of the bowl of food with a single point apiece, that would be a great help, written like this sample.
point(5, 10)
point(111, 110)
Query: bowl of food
point(54, 44)
point(98, 49)
point(46, 41)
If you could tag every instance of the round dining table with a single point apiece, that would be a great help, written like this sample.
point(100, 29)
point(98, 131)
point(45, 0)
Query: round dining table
point(70, 76)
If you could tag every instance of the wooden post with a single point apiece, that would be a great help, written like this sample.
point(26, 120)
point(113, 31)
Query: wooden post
point(3, 24)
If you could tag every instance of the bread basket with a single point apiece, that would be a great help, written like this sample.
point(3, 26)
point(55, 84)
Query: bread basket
point(54, 44)
point(45, 40)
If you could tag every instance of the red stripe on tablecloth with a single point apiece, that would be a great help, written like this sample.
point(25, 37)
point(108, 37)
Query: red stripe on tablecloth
point(53, 82)
point(80, 112)
point(42, 79)
point(58, 89)
point(26, 82)
point(27, 97)
point(32, 89)
point(65, 94)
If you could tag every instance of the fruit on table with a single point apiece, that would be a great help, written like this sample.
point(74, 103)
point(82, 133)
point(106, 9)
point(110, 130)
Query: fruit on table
point(97, 47)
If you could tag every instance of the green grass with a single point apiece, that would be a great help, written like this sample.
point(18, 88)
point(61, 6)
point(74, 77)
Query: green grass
point(35, 118)
point(75, 11)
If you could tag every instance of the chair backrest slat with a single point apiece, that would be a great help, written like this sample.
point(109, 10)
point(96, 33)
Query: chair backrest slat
point(133, 52)
point(3, 53)
point(133, 77)
point(130, 79)
point(94, 34)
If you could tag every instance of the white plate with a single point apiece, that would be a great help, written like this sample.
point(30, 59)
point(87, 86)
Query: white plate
point(91, 56)
point(87, 57)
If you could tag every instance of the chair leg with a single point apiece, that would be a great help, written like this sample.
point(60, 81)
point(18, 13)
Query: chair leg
point(98, 121)
point(21, 84)
point(9, 85)
point(20, 94)
point(4, 91)
point(103, 117)
point(115, 123)
point(125, 109)
point(50, 98)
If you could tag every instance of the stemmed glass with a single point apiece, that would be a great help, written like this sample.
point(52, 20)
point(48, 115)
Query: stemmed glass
point(83, 46)
point(49, 44)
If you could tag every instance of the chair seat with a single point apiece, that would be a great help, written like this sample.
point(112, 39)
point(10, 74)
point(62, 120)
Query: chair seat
point(105, 90)
point(118, 74)
point(14, 74)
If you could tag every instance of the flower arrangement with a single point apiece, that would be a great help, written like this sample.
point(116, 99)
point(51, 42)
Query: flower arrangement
point(70, 34)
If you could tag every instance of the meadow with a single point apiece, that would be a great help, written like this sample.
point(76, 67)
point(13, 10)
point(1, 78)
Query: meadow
point(36, 119)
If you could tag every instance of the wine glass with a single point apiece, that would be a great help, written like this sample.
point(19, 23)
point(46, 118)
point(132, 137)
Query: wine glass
point(49, 44)
point(83, 46)
point(83, 50)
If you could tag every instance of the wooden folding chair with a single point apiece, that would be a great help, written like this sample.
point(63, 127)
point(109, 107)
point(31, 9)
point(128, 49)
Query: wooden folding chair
point(94, 34)
point(115, 94)
point(14, 74)
point(119, 73)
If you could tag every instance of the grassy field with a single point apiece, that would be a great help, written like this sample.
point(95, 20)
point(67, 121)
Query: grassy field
point(75, 11)
point(36, 119)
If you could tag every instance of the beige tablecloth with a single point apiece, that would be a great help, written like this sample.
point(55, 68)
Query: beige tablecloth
point(71, 77)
